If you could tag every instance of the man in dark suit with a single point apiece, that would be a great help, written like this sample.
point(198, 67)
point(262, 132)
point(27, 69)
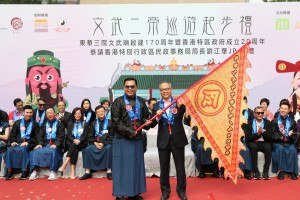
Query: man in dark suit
point(171, 138)
point(258, 134)
point(63, 115)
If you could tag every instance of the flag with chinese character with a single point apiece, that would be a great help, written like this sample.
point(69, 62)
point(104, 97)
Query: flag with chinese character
point(215, 104)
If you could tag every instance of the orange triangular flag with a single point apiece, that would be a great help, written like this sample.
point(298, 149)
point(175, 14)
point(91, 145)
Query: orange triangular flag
point(216, 103)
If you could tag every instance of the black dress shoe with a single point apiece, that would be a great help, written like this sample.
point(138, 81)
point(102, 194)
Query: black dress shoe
point(24, 176)
point(256, 176)
point(247, 175)
point(85, 176)
point(202, 174)
point(294, 176)
point(120, 198)
point(136, 197)
point(280, 175)
point(164, 197)
point(217, 174)
point(109, 176)
point(182, 196)
point(8, 176)
point(266, 176)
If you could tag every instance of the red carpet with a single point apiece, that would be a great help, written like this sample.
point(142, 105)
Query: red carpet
point(101, 189)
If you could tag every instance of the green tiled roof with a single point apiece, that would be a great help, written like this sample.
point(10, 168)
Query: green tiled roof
point(153, 81)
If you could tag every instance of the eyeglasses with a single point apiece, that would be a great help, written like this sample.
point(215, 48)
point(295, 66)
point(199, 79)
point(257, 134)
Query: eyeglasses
point(42, 105)
point(165, 89)
point(259, 113)
point(129, 86)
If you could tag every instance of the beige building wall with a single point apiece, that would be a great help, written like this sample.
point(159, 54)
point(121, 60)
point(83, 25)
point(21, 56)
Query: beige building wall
point(157, 1)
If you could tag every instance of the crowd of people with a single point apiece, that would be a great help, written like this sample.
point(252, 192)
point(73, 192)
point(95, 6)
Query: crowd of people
point(276, 135)
point(114, 138)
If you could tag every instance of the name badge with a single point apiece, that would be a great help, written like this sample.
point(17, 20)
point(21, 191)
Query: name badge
point(105, 131)
point(80, 131)
point(1, 128)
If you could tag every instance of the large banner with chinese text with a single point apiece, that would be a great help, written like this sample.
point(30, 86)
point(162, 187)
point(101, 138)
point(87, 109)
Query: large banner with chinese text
point(73, 52)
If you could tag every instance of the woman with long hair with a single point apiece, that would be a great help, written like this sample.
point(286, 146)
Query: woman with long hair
point(77, 132)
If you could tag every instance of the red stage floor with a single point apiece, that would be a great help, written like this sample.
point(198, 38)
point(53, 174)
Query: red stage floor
point(101, 189)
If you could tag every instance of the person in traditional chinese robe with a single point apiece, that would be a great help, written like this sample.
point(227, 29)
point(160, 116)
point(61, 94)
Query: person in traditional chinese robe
point(171, 138)
point(97, 156)
point(4, 133)
point(22, 141)
point(17, 113)
point(76, 140)
point(258, 133)
point(128, 113)
point(39, 113)
point(203, 157)
point(48, 151)
point(89, 114)
point(284, 157)
point(247, 165)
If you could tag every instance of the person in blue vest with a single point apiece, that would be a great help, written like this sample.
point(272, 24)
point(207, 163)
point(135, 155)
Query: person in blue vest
point(284, 156)
point(128, 113)
point(22, 141)
point(97, 155)
point(48, 151)
point(17, 113)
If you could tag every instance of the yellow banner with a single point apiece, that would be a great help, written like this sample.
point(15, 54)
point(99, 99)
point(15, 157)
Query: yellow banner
point(216, 104)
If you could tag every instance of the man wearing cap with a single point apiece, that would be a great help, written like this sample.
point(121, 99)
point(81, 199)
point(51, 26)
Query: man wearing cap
point(17, 113)
point(43, 78)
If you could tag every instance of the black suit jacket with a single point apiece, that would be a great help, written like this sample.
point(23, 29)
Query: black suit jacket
point(178, 133)
point(65, 119)
point(60, 135)
point(267, 135)
point(83, 137)
point(15, 135)
point(277, 136)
